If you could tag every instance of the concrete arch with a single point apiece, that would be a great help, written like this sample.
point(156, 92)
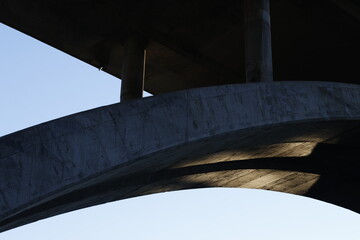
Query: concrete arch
point(295, 137)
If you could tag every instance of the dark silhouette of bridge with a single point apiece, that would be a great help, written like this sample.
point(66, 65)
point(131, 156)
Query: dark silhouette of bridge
point(247, 94)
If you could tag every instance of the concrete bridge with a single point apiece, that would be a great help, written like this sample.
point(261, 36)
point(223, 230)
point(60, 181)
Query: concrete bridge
point(231, 125)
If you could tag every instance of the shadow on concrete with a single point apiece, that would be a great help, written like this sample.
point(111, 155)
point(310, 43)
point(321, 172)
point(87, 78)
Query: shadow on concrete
point(336, 164)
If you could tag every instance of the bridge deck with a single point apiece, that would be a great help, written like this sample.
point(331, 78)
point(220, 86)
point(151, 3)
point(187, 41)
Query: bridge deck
point(197, 43)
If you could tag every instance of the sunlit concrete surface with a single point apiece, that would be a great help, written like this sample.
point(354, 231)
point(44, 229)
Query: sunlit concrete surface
point(294, 137)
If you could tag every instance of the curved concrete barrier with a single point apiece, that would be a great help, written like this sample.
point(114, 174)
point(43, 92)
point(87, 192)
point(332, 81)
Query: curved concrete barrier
point(296, 137)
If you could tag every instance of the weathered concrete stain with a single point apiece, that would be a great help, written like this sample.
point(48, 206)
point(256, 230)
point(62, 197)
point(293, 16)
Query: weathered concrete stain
point(45, 162)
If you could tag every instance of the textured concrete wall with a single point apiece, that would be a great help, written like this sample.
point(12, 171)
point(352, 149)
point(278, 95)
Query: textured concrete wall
point(49, 160)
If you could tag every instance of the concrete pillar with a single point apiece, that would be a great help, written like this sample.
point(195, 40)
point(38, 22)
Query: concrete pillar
point(133, 70)
point(258, 56)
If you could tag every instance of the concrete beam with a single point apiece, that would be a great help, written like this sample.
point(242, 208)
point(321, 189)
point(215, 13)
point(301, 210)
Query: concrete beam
point(246, 135)
point(133, 70)
point(258, 54)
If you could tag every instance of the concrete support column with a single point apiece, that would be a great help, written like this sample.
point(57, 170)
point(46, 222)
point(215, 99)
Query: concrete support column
point(258, 56)
point(133, 70)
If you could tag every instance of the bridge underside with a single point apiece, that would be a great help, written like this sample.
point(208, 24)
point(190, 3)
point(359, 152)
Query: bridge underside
point(197, 43)
point(293, 137)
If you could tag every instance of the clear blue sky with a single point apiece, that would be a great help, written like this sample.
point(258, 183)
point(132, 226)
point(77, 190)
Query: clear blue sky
point(39, 83)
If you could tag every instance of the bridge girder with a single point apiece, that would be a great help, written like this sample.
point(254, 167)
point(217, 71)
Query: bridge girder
point(294, 137)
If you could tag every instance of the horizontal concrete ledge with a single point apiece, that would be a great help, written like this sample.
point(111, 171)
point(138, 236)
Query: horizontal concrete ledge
point(184, 140)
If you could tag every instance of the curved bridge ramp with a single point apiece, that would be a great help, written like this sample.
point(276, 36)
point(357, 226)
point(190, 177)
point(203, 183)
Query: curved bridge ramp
point(293, 137)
